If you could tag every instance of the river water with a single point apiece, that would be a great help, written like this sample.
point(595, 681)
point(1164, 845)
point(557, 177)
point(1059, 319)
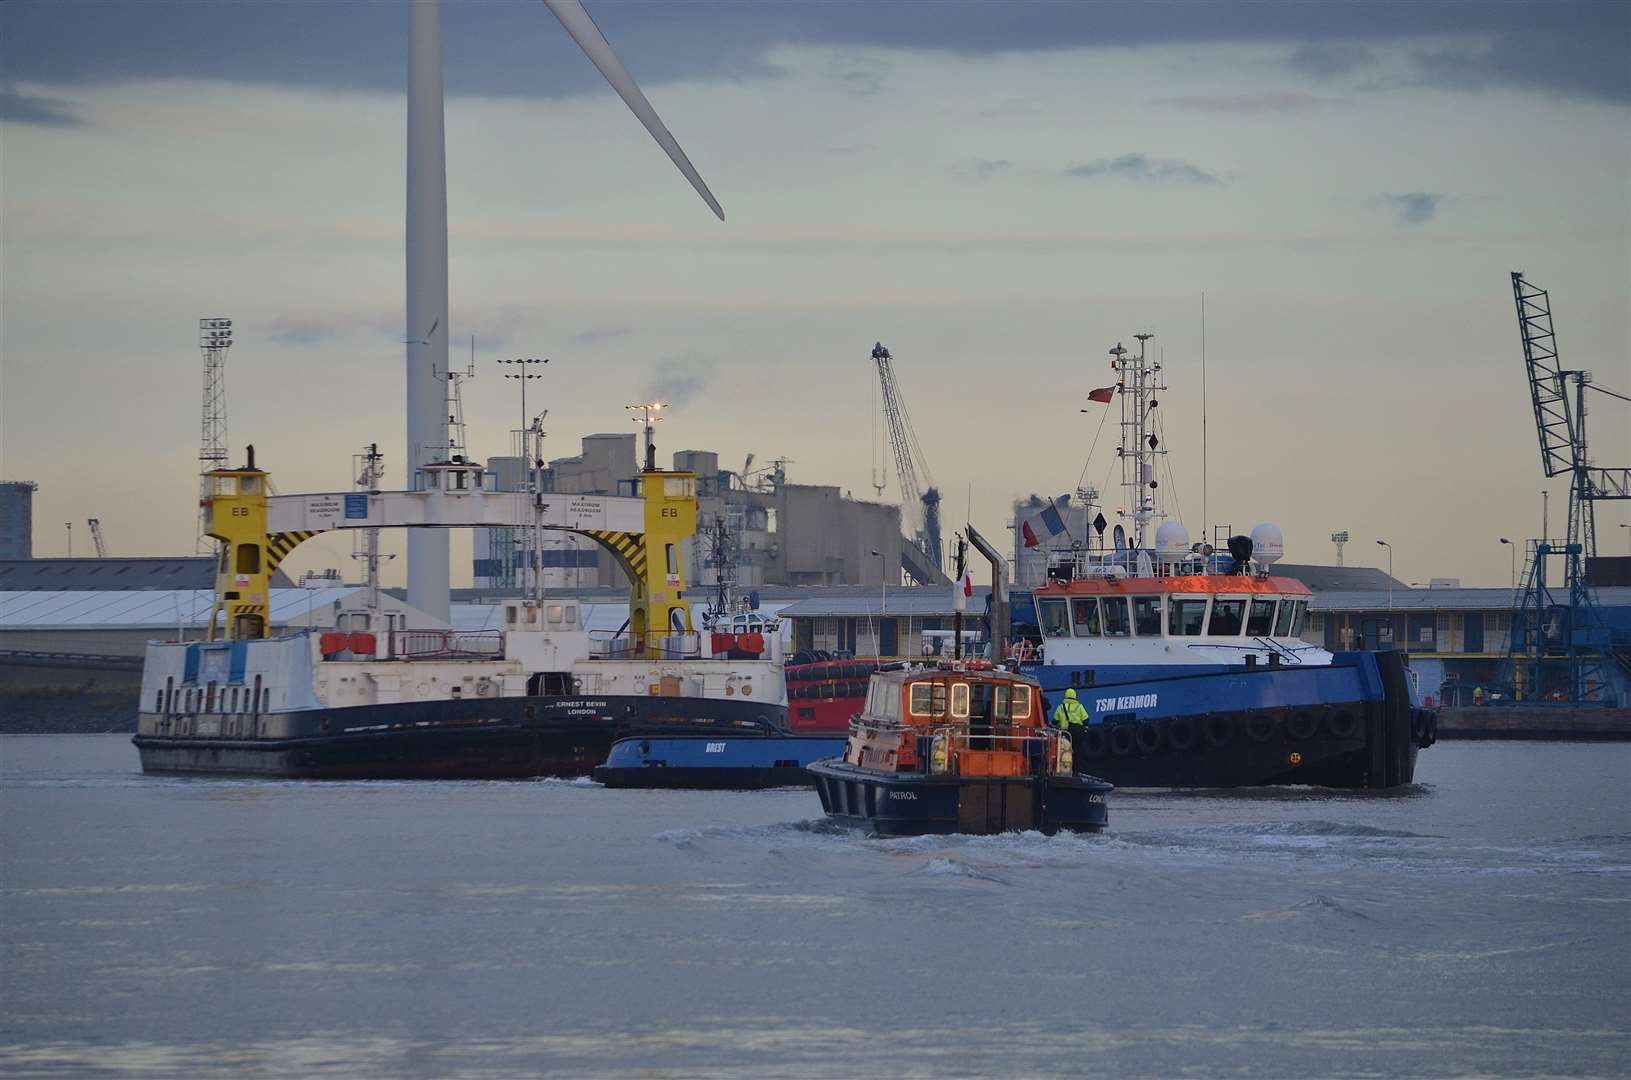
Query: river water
point(1476, 923)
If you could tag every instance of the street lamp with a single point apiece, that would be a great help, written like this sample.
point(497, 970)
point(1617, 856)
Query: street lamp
point(1514, 548)
point(1389, 547)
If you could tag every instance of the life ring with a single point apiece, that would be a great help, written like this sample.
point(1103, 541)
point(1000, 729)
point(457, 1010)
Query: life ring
point(1181, 733)
point(1148, 737)
point(1260, 727)
point(1090, 742)
point(1219, 729)
point(1342, 724)
point(1120, 738)
point(1302, 725)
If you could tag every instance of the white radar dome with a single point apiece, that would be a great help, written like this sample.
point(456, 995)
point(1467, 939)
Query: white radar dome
point(1268, 543)
point(1171, 541)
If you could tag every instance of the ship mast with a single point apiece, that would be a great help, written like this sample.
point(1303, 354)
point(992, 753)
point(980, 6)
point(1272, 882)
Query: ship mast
point(1140, 379)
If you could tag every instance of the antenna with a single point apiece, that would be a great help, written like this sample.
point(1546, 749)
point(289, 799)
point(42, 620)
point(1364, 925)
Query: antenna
point(456, 447)
point(1204, 518)
point(649, 415)
point(214, 339)
point(369, 468)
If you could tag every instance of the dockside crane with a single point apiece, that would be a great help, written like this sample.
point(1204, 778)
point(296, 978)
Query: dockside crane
point(1551, 623)
point(97, 539)
point(920, 501)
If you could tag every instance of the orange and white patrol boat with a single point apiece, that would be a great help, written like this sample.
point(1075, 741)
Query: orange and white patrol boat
point(958, 747)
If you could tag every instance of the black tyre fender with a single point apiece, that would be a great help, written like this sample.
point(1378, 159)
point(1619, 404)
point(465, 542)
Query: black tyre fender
point(1260, 727)
point(1147, 736)
point(1120, 737)
point(1219, 729)
point(1090, 742)
point(1342, 724)
point(1181, 733)
point(1303, 725)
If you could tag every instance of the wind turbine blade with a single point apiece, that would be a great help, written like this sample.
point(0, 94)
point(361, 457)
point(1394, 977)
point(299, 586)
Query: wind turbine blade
point(595, 46)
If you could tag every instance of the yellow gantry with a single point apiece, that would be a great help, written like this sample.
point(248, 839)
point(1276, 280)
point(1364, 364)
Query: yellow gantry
point(249, 554)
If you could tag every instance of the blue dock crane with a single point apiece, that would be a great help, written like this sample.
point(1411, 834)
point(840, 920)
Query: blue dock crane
point(1555, 620)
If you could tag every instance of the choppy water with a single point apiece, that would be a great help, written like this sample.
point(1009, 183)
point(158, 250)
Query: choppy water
point(1478, 923)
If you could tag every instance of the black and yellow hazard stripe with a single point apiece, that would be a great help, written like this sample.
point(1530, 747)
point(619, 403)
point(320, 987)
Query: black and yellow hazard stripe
point(629, 547)
point(279, 544)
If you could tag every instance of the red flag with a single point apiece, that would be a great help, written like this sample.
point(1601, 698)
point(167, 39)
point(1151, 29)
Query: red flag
point(1103, 393)
point(1030, 535)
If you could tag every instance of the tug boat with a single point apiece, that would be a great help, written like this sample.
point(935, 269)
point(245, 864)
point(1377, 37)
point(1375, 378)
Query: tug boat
point(541, 696)
point(1189, 656)
point(957, 747)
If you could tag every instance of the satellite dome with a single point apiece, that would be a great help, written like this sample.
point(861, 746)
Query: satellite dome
point(1171, 541)
point(1268, 543)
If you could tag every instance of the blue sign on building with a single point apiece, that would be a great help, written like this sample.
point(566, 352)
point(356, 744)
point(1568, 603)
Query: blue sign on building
point(356, 506)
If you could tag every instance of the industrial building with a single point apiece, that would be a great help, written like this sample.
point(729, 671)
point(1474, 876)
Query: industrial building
point(17, 519)
point(779, 532)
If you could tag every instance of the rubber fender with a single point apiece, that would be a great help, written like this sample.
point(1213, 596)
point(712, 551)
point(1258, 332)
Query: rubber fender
point(1120, 738)
point(1090, 742)
point(1302, 725)
point(1342, 724)
point(1181, 733)
point(1260, 727)
point(1148, 737)
point(1219, 729)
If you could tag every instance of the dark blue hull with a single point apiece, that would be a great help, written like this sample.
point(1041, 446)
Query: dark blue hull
point(1353, 724)
point(915, 804)
point(734, 762)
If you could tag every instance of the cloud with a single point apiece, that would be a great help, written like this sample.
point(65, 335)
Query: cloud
point(679, 379)
point(302, 333)
point(1570, 47)
point(1246, 104)
point(596, 335)
point(988, 166)
point(20, 107)
point(1144, 169)
point(1412, 207)
point(1330, 59)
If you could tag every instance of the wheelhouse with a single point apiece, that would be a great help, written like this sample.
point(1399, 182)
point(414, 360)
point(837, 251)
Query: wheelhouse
point(1199, 607)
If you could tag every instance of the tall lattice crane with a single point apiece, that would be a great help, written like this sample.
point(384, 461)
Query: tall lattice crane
point(922, 502)
point(98, 541)
point(1551, 623)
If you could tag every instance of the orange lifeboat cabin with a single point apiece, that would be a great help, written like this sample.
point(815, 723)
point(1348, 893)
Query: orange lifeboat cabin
point(957, 747)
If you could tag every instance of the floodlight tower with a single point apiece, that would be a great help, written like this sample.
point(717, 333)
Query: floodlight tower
point(1339, 538)
point(214, 339)
point(649, 415)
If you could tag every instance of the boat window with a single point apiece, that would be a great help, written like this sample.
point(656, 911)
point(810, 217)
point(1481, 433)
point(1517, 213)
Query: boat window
point(1187, 617)
point(999, 702)
point(1084, 616)
point(1116, 623)
point(928, 699)
point(1297, 617)
point(1226, 617)
point(1282, 625)
point(1019, 704)
point(1147, 616)
point(1053, 618)
point(1261, 619)
point(891, 701)
point(959, 701)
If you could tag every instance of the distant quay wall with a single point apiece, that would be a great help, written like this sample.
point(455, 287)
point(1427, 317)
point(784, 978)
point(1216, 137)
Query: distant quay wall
point(1535, 722)
point(40, 699)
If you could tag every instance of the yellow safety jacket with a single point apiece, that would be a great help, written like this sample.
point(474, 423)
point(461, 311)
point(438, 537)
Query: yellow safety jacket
point(1070, 714)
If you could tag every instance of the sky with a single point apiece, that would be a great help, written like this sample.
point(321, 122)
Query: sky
point(999, 192)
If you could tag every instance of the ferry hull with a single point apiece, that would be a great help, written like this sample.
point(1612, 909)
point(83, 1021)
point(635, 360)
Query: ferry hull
point(914, 804)
point(505, 738)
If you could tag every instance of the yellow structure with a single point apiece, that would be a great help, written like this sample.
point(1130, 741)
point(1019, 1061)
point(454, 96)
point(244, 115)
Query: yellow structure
point(653, 561)
point(250, 554)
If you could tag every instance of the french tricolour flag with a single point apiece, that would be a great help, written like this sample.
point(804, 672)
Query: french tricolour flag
point(1048, 521)
point(961, 590)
